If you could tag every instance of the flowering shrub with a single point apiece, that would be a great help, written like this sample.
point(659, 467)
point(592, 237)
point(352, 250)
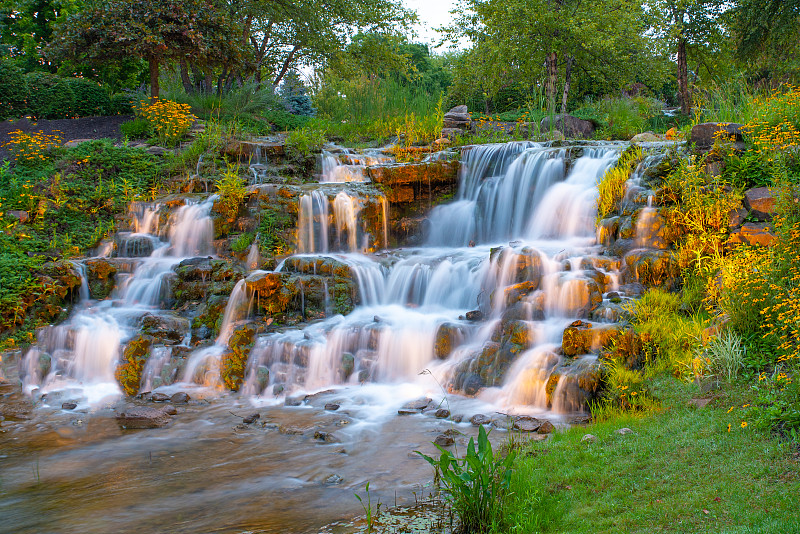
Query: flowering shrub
point(168, 120)
point(29, 148)
point(777, 123)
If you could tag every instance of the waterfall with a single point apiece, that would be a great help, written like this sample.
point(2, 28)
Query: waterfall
point(85, 350)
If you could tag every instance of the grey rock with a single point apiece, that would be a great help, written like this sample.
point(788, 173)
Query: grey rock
point(68, 405)
point(142, 417)
point(568, 125)
point(419, 404)
point(442, 413)
point(480, 419)
point(525, 423)
point(180, 398)
point(761, 203)
point(331, 407)
point(252, 418)
point(624, 431)
point(588, 438)
point(159, 397)
point(546, 428)
point(169, 409)
point(443, 440)
point(333, 480)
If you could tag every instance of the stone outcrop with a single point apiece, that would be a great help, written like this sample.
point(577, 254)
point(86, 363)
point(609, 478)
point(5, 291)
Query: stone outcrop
point(704, 135)
point(571, 127)
point(139, 417)
point(457, 118)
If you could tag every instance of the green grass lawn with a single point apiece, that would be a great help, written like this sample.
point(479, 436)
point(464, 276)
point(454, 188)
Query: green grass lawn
point(681, 470)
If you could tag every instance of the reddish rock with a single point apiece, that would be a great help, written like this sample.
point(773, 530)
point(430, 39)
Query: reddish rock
point(757, 234)
point(761, 203)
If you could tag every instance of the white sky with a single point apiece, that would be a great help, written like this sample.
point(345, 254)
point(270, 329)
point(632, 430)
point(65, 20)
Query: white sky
point(432, 14)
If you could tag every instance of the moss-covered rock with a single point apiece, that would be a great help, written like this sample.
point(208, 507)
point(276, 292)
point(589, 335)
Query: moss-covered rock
point(234, 360)
point(100, 274)
point(134, 357)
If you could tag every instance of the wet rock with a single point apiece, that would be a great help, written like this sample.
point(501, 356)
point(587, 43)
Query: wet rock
point(234, 361)
point(327, 437)
point(277, 389)
point(418, 404)
point(754, 234)
point(568, 125)
point(589, 438)
point(273, 292)
point(448, 336)
point(348, 365)
point(159, 397)
point(526, 423)
point(332, 407)
point(761, 203)
point(474, 315)
point(289, 401)
point(134, 357)
point(333, 480)
point(69, 405)
point(100, 275)
point(262, 377)
point(705, 134)
point(583, 337)
point(546, 428)
point(472, 384)
point(167, 329)
point(503, 422)
point(651, 268)
point(480, 419)
point(179, 398)
point(443, 440)
point(170, 410)
point(142, 417)
point(442, 413)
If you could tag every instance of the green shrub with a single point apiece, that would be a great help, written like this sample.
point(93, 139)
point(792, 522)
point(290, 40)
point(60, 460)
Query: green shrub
point(121, 104)
point(242, 243)
point(49, 97)
point(306, 140)
point(91, 100)
point(135, 129)
point(476, 486)
point(13, 91)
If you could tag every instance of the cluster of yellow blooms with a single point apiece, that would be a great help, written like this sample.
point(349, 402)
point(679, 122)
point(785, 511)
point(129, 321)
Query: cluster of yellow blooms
point(777, 126)
point(169, 120)
point(31, 147)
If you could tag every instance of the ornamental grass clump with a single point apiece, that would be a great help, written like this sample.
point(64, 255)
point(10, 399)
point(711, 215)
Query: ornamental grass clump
point(613, 185)
point(169, 121)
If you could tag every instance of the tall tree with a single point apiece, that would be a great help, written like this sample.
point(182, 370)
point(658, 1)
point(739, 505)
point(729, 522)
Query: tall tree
point(548, 39)
point(767, 33)
point(684, 25)
point(26, 27)
point(157, 31)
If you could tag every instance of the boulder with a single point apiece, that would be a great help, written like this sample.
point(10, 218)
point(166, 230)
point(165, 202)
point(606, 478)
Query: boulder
point(526, 423)
point(705, 134)
point(418, 405)
point(546, 428)
point(480, 419)
point(443, 440)
point(19, 215)
point(736, 217)
point(169, 329)
point(646, 137)
point(159, 397)
point(448, 336)
point(458, 117)
point(68, 405)
point(761, 203)
point(568, 125)
point(179, 398)
point(142, 417)
point(442, 413)
point(582, 337)
point(756, 234)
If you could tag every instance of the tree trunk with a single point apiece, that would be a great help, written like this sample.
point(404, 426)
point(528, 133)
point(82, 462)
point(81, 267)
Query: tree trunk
point(567, 80)
point(187, 82)
point(209, 83)
point(684, 94)
point(552, 77)
point(154, 89)
point(286, 65)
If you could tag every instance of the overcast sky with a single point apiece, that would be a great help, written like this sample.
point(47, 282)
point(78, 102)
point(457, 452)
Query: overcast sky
point(432, 14)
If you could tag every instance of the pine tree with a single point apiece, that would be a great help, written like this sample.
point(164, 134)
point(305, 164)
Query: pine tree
point(294, 95)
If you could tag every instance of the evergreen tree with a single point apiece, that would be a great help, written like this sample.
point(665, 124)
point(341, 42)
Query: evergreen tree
point(295, 97)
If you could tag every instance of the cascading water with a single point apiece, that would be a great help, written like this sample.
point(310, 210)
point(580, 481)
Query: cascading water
point(519, 191)
point(350, 166)
point(83, 353)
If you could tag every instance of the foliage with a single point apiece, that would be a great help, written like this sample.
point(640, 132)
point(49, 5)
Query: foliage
point(294, 94)
point(242, 242)
point(200, 30)
point(621, 118)
point(136, 128)
point(272, 223)
point(306, 141)
point(13, 90)
point(31, 148)
point(169, 121)
point(120, 104)
point(766, 33)
point(477, 485)
point(232, 191)
point(776, 125)
point(613, 185)
point(49, 96)
point(699, 205)
point(90, 99)
point(777, 403)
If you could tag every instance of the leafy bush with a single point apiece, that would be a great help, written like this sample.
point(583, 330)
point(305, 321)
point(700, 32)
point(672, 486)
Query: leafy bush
point(232, 191)
point(242, 243)
point(306, 141)
point(621, 118)
point(135, 129)
point(13, 91)
point(120, 104)
point(90, 99)
point(476, 486)
point(49, 97)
